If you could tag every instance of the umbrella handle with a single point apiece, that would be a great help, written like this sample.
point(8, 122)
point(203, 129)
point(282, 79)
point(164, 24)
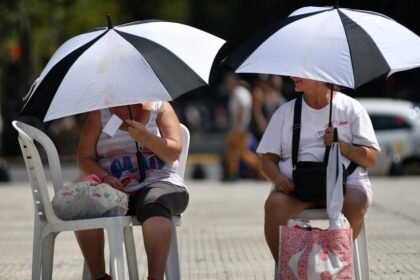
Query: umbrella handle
point(335, 136)
point(331, 101)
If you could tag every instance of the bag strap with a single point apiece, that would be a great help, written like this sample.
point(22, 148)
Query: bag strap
point(296, 129)
point(350, 169)
point(297, 114)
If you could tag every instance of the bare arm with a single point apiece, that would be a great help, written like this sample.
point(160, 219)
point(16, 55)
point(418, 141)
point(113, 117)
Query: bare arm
point(363, 156)
point(270, 169)
point(168, 146)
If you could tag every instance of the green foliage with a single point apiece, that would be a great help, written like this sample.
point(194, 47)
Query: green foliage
point(175, 10)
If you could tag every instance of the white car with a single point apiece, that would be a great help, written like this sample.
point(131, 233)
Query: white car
point(397, 128)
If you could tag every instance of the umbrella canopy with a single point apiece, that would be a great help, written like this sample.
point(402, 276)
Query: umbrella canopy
point(337, 45)
point(113, 66)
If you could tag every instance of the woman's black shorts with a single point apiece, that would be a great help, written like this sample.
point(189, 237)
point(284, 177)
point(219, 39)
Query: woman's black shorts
point(162, 199)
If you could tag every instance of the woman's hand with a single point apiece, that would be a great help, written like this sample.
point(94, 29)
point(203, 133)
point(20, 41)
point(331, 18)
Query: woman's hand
point(113, 181)
point(329, 136)
point(284, 184)
point(137, 130)
point(270, 169)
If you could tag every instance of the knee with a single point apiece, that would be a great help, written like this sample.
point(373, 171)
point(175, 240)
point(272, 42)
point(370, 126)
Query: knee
point(355, 213)
point(355, 206)
point(152, 210)
point(271, 205)
point(276, 209)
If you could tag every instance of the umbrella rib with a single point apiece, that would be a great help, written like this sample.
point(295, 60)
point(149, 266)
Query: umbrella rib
point(236, 59)
point(42, 97)
point(361, 45)
point(139, 22)
point(175, 75)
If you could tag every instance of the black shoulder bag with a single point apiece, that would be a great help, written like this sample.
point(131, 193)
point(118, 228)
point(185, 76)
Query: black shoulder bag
point(310, 177)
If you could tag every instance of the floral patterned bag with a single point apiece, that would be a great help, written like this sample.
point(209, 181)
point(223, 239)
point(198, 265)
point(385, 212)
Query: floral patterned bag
point(308, 253)
point(89, 198)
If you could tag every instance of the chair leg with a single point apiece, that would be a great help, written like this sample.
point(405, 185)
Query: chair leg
point(116, 251)
point(86, 272)
point(48, 255)
point(276, 271)
point(130, 249)
point(37, 251)
point(361, 255)
point(172, 271)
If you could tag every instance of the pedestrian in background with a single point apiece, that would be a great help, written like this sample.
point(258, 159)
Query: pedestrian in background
point(237, 142)
point(266, 98)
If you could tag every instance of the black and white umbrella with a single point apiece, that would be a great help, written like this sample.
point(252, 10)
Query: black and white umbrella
point(337, 45)
point(113, 66)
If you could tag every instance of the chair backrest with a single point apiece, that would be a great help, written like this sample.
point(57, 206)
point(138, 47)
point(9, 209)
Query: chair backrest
point(184, 153)
point(27, 135)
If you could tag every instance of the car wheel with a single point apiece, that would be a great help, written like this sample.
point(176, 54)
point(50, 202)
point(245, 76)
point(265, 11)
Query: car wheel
point(411, 167)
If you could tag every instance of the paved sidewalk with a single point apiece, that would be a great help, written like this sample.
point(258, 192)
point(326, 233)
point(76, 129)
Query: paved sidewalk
point(221, 236)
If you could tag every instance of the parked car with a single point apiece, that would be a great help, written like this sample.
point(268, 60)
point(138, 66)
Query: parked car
point(397, 127)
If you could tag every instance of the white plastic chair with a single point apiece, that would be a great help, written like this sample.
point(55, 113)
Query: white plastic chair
point(47, 225)
point(360, 245)
point(172, 270)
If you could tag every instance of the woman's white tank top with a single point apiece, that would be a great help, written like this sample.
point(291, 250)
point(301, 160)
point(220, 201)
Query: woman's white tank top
point(117, 155)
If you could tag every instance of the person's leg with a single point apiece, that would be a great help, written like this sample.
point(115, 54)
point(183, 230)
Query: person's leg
point(157, 232)
point(154, 208)
point(92, 245)
point(355, 206)
point(279, 208)
point(231, 155)
point(250, 158)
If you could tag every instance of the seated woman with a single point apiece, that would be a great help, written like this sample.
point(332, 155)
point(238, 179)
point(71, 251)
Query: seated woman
point(156, 197)
point(357, 142)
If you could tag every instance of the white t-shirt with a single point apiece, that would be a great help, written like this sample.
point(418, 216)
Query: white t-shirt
point(241, 98)
point(348, 116)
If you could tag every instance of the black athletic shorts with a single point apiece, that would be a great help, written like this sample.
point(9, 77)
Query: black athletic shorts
point(162, 199)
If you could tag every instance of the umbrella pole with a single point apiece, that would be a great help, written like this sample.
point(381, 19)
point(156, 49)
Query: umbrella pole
point(140, 158)
point(331, 100)
point(330, 123)
point(327, 149)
